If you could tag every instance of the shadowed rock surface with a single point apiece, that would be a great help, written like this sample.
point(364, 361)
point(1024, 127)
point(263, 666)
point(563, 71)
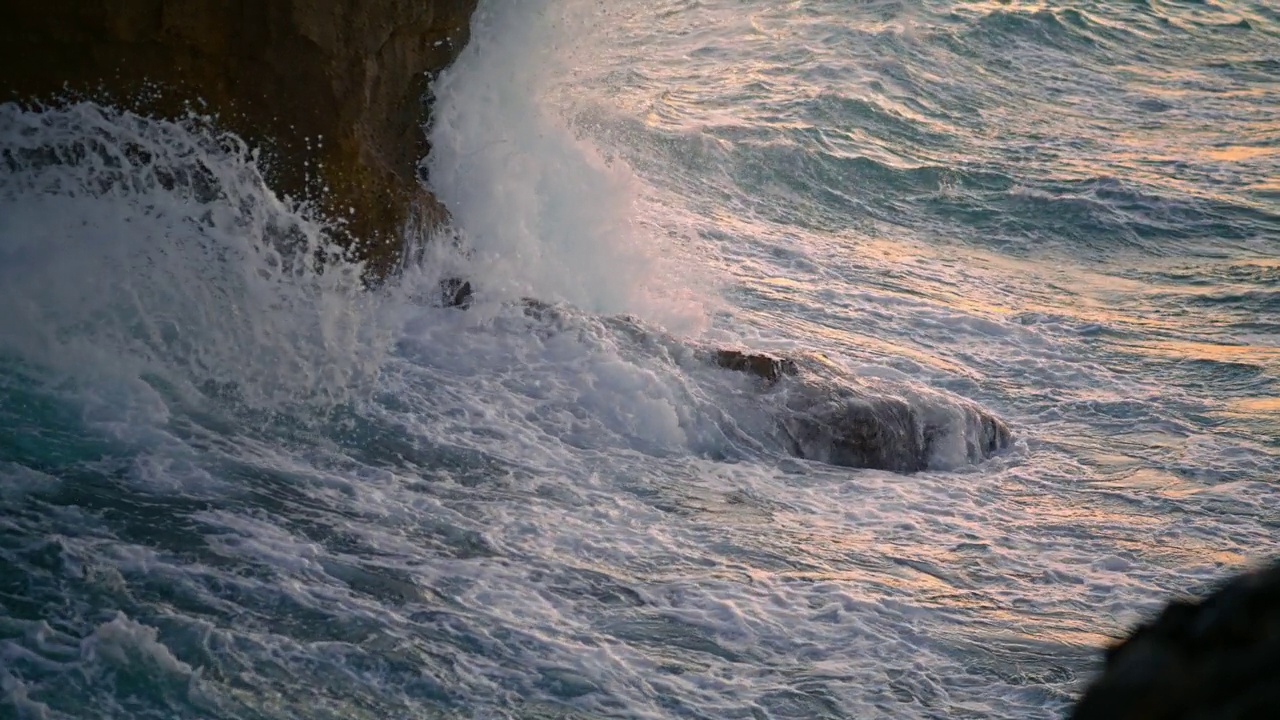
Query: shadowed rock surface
point(1216, 658)
point(828, 420)
point(333, 89)
point(455, 292)
point(766, 367)
point(840, 426)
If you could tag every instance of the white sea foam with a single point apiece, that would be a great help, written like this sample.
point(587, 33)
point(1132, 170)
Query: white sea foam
point(131, 246)
point(542, 212)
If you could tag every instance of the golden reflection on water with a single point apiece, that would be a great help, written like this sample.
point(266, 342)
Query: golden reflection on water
point(869, 555)
point(1090, 296)
point(1240, 153)
point(938, 575)
point(1260, 355)
point(1055, 290)
point(1256, 406)
point(1151, 481)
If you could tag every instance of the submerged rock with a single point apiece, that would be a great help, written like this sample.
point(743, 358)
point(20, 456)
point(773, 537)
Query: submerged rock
point(333, 89)
point(819, 416)
point(1218, 658)
point(839, 424)
point(766, 367)
point(844, 426)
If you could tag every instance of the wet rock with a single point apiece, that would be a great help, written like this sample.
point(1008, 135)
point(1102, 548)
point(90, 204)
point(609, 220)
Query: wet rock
point(332, 89)
point(456, 293)
point(840, 425)
point(881, 433)
point(825, 418)
point(766, 367)
point(843, 425)
point(1218, 658)
point(846, 427)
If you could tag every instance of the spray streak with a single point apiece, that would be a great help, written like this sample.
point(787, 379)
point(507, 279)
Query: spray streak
point(137, 246)
point(544, 213)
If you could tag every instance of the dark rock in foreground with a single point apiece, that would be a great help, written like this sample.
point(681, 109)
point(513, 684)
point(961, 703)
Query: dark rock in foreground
point(333, 89)
point(1215, 658)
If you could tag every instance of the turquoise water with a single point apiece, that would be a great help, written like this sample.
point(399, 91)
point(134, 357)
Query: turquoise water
point(232, 486)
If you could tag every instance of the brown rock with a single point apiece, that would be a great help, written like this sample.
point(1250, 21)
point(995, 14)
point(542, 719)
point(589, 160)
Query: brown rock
point(333, 89)
point(766, 367)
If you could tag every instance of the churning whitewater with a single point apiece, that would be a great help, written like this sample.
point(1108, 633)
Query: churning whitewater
point(235, 483)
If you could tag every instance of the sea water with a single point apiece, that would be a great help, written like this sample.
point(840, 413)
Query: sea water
point(236, 484)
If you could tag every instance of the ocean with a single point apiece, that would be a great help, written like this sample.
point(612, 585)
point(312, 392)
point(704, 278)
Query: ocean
point(234, 483)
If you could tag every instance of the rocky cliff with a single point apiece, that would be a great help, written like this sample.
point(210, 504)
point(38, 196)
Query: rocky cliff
point(333, 90)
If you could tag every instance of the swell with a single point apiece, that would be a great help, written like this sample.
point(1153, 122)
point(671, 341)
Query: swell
point(1063, 29)
point(1057, 139)
point(838, 178)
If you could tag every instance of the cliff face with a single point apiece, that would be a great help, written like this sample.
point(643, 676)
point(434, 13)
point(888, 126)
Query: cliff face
point(333, 89)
